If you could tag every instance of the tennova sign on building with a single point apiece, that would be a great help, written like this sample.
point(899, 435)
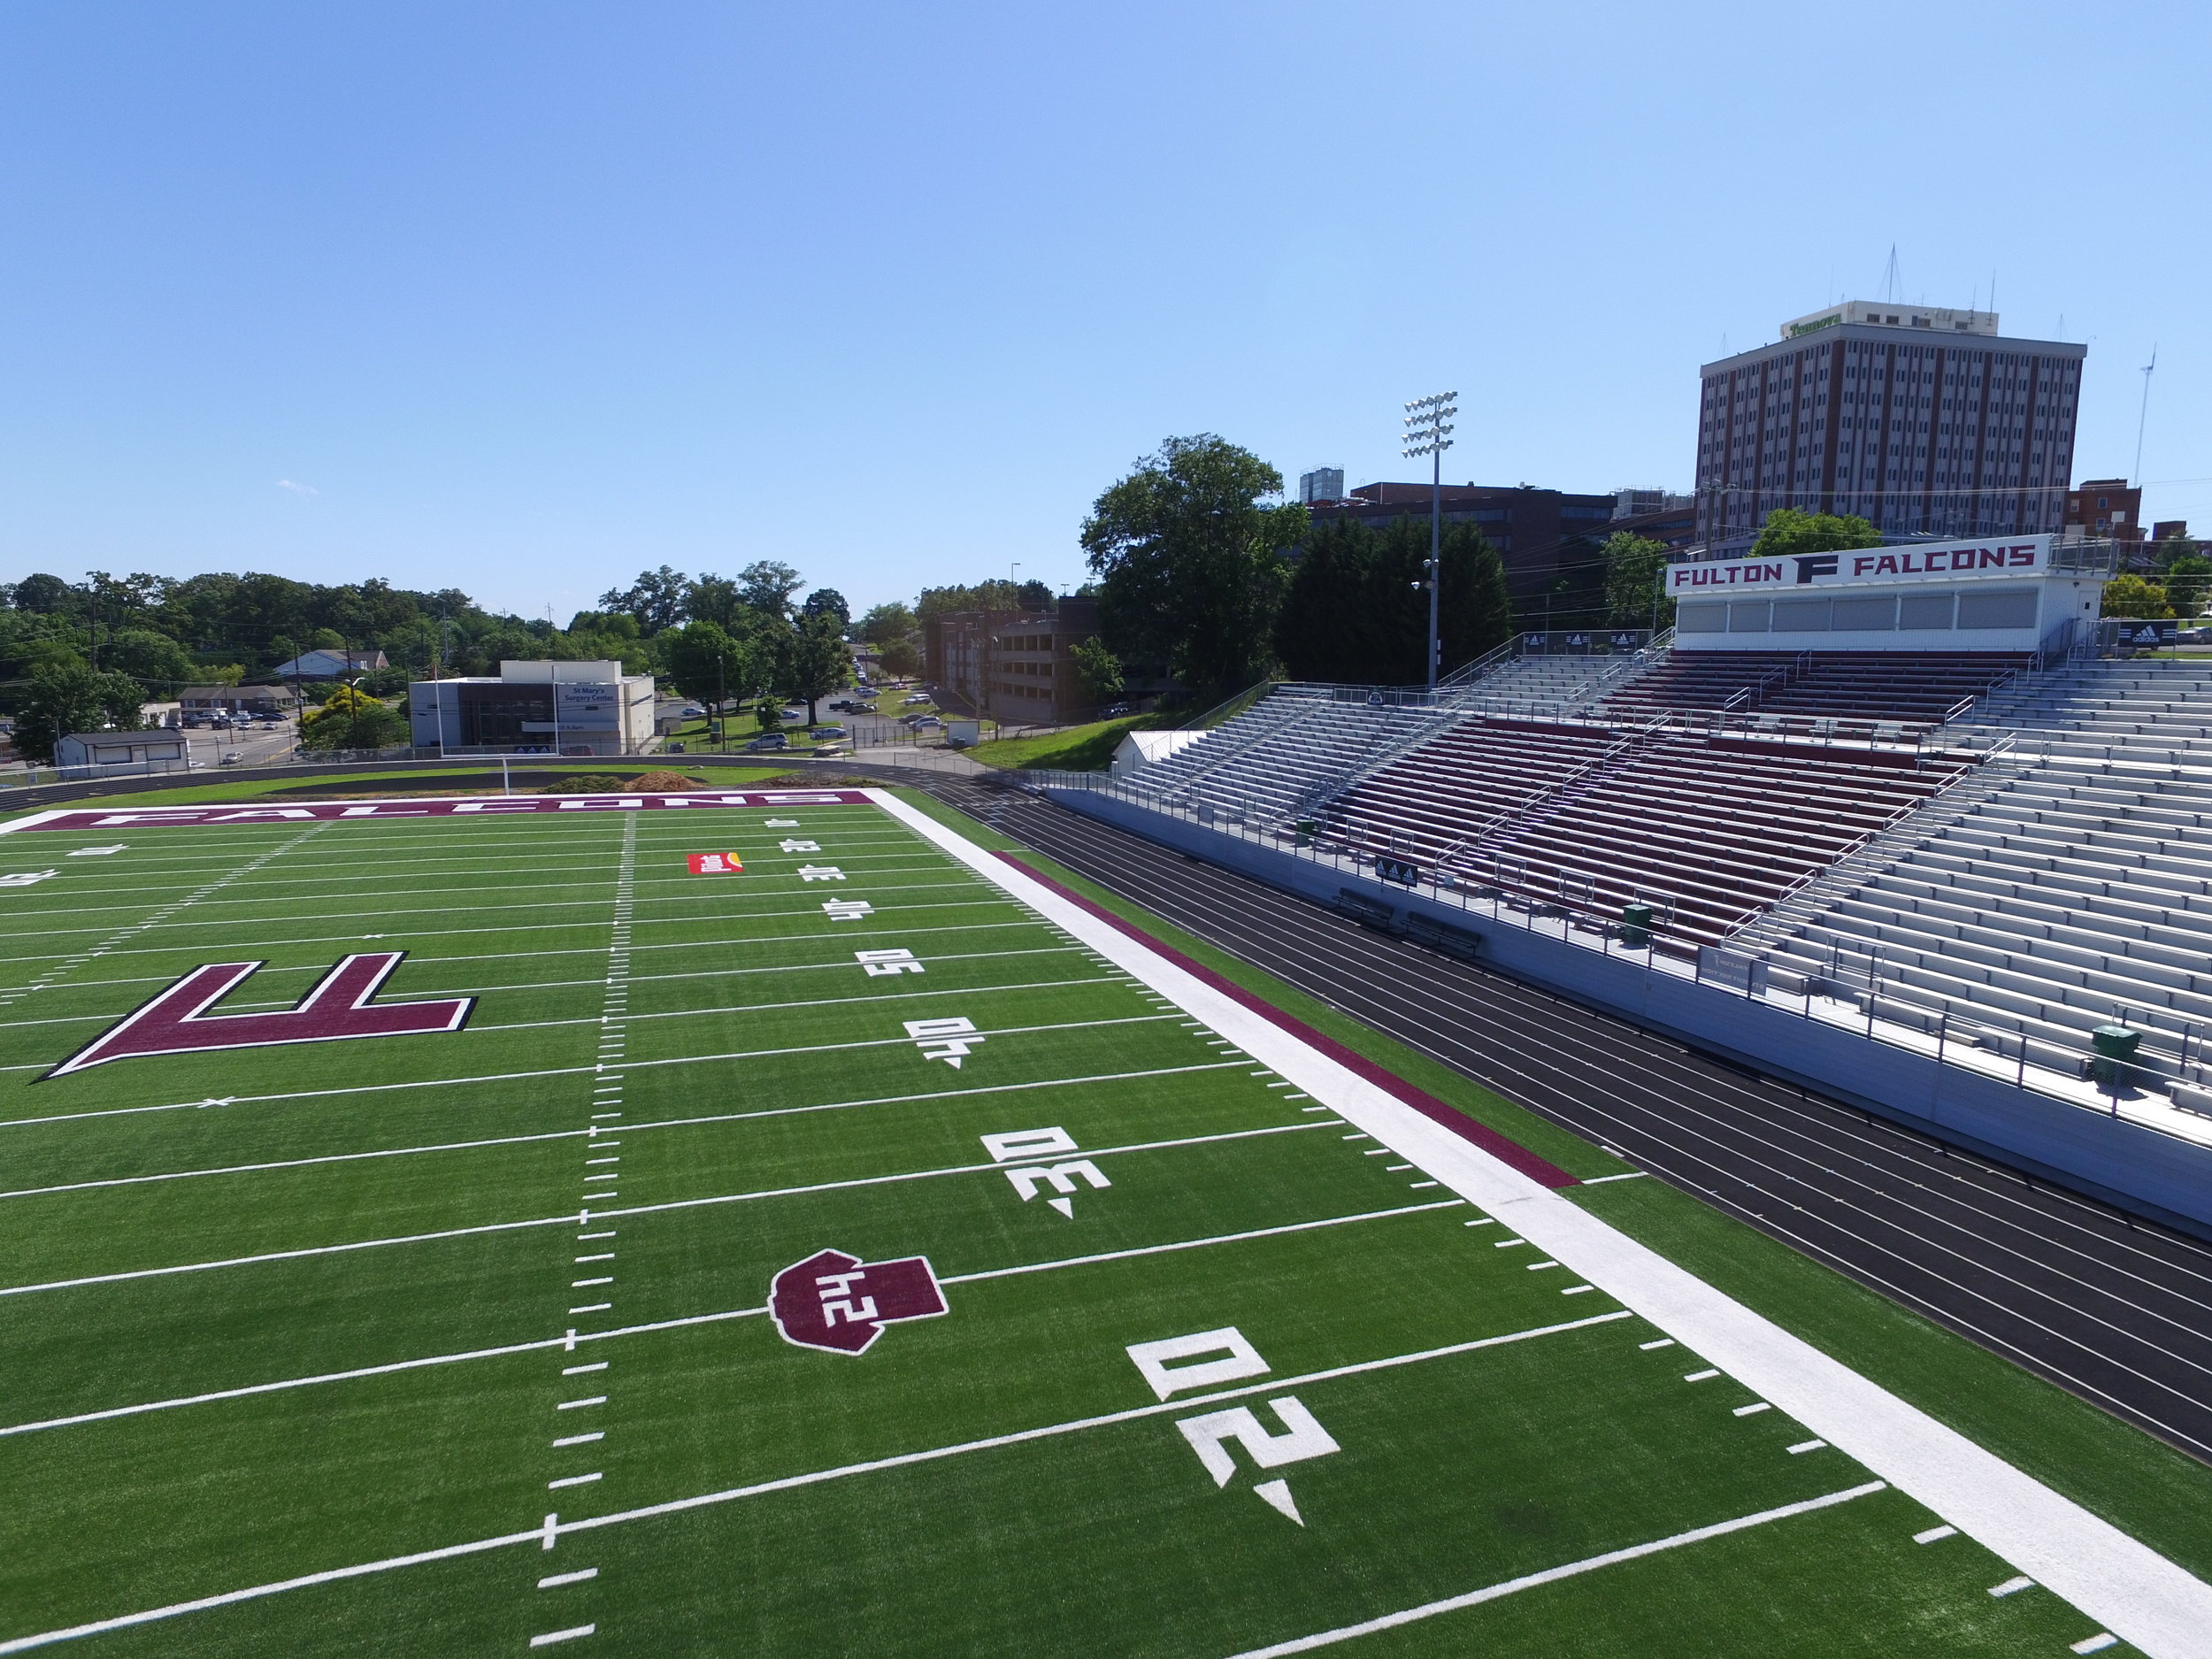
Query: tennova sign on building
point(2019, 557)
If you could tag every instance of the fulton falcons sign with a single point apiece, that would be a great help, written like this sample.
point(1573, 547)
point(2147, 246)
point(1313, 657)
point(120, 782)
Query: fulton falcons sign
point(1864, 567)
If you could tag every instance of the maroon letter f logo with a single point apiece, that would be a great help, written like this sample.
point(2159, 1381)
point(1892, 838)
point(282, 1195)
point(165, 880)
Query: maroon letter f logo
point(177, 1021)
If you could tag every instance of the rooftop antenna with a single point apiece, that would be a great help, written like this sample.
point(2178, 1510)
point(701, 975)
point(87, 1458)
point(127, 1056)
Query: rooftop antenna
point(1889, 278)
point(2144, 415)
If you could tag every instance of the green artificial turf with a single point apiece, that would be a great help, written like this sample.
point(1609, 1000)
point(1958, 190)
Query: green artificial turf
point(455, 1250)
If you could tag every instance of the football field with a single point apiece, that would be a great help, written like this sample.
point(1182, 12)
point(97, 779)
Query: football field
point(770, 1229)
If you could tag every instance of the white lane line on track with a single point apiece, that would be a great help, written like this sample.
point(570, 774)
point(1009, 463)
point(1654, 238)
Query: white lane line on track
point(539, 1536)
point(570, 1218)
point(622, 1332)
point(1553, 1575)
point(2126, 1585)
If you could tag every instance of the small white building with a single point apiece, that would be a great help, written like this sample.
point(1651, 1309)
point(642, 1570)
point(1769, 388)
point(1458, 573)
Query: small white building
point(589, 708)
point(1142, 748)
point(160, 750)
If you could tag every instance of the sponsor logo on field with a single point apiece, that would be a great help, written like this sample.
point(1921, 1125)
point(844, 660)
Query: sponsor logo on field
point(342, 1005)
point(835, 1301)
point(715, 864)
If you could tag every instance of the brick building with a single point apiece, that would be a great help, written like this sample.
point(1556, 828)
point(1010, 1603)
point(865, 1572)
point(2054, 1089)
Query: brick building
point(1926, 422)
point(1015, 666)
point(1527, 526)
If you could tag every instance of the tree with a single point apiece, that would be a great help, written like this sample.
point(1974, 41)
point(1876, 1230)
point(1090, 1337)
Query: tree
point(44, 594)
point(157, 663)
point(902, 658)
point(1032, 597)
point(2184, 572)
point(891, 620)
point(817, 661)
point(351, 719)
point(2133, 596)
point(1098, 669)
point(1635, 574)
point(991, 595)
point(1788, 530)
point(69, 698)
point(655, 599)
point(1357, 610)
point(829, 602)
point(1189, 562)
point(767, 585)
point(709, 666)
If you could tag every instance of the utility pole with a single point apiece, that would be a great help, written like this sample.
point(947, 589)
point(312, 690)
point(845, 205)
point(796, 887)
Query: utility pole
point(1427, 434)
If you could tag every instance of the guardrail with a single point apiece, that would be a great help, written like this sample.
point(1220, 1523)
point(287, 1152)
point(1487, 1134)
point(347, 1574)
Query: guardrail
point(2036, 1065)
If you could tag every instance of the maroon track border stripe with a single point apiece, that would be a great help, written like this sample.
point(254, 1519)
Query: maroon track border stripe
point(1510, 1152)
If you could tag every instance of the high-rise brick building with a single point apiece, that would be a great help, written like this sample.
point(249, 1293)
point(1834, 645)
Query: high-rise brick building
point(1926, 422)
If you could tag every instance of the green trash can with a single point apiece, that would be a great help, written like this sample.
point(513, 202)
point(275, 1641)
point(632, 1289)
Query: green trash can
point(1306, 827)
point(2116, 1046)
point(1635, 931)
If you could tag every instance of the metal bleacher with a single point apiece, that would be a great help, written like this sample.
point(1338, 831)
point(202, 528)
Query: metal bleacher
point(2072, 889)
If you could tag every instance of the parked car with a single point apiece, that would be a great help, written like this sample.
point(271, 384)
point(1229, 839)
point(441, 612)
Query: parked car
point(675, 748)
point(769, 741)
point(693, 711)
point(232, 757)
point(831, 748)
point(1116, 711)
point(929, 723)
point(824, 733)
point(917, 697)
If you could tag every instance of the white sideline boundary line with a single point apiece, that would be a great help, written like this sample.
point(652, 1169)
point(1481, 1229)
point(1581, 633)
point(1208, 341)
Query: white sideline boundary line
point(1553, 1575)
point(2128, 1588)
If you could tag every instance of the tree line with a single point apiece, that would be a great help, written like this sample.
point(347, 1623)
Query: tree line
point(81, 655)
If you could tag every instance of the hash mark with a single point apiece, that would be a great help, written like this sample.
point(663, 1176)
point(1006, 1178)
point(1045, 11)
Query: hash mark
point(552, 1636)
point(559, 1579)
point(1664, 1341)
point(1802, 1447)
point(1935, 1534)
point(2012, 1586)
point(1752, 1410)
point(1699, 1376)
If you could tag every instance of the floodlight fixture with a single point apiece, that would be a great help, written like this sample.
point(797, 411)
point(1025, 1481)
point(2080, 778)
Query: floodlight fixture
point(1428, 432)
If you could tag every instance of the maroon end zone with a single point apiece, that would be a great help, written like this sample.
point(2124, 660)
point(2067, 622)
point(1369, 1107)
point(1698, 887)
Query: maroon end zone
point(459, 806)
point(342, 1005)
point(1507, 1152)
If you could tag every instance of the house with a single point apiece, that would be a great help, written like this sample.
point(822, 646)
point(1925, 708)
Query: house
point(330, 664)
point(195, 704)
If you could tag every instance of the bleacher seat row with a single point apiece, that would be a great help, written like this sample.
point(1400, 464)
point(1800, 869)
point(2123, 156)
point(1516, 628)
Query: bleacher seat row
point(2071, 884)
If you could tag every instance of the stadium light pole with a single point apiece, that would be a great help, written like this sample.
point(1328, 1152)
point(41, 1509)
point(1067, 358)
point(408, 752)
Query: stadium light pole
point(1427, 434)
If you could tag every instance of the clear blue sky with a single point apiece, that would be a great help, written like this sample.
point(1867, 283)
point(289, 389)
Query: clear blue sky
point(522, 297)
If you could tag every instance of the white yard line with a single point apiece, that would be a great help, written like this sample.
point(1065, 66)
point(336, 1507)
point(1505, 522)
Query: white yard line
point(1553, 1575)
point(558, 1071)
point(547, 1535)
point(567, 1342)
point(573, 1217)
point(2128, 1588)
point(520, 927)
point(612, 1090)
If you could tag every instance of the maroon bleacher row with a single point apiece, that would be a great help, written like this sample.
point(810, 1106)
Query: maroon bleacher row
point(1720, 828)
point(1899, 687)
